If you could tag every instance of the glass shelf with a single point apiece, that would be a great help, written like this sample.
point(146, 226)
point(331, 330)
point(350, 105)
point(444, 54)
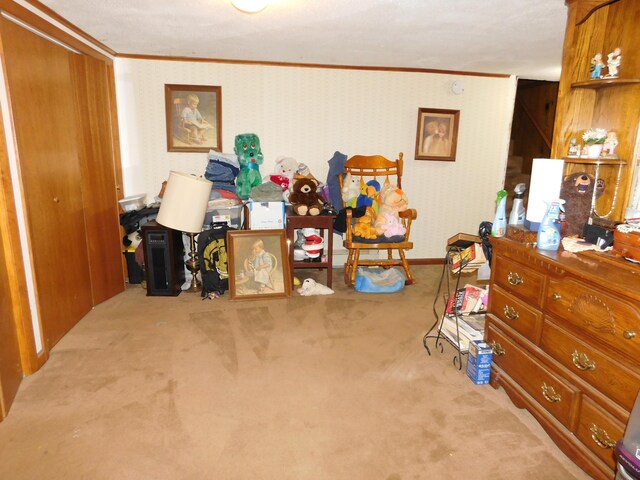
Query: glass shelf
point(595, 161)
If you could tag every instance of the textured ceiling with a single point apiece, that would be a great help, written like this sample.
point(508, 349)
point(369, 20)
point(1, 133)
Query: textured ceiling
point(519, 37)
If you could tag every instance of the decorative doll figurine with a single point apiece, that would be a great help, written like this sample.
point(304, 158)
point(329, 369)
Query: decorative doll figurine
point(574, 149)
point(610, 145)
point(613, 63)
point(585, 152)
point(596, 66)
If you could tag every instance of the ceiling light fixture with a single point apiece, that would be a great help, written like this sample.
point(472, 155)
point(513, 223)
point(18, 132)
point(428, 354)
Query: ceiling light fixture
point(250, 6)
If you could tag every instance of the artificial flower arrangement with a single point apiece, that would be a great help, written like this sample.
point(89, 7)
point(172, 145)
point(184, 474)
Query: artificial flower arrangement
point(594, 136)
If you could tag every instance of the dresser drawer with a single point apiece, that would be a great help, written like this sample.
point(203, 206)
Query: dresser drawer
point(553, 393)
point(519, 280)
point(515, 313)
point(599, 431)
point(612, 379)
point(613, 322)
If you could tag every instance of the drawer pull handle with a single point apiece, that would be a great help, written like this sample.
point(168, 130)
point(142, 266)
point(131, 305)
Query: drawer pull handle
point(601, 437)
point(556, 296)
point(497, 349)
point(510, 312)
point(629, 334)
point(550, 394)
point(582, 362)
point(514, 279)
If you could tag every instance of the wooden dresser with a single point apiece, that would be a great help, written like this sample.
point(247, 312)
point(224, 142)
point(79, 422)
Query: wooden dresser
point(565, 331)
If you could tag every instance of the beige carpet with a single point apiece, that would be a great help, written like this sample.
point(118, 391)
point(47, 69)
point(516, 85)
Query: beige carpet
point(336, 387)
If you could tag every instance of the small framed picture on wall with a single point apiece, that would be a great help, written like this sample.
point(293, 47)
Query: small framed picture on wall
point(437, 136)
point(194, 118)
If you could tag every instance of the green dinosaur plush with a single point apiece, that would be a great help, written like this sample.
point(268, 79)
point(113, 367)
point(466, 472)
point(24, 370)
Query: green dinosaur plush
point(250, 157)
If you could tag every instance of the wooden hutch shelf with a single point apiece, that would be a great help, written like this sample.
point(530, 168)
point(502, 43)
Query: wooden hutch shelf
point(606, 82)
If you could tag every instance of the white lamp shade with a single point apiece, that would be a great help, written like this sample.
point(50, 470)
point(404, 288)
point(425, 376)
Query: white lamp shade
point(184, 203)
point(250, 6)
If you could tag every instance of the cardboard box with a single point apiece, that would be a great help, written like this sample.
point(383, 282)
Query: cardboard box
point(266, 215)
point(232, 216)
point(479, 362)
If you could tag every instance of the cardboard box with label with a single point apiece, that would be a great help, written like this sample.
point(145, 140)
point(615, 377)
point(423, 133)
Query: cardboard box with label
point(266, 215)
point(479, 362)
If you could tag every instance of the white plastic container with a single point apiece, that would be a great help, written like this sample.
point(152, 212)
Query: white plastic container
point(133, 202)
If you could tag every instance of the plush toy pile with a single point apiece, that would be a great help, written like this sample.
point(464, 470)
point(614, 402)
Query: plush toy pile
point(381, 220)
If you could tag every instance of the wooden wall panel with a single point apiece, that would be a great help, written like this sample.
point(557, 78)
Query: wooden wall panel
point(98, 177)
point(45, 123)
point(10, 280)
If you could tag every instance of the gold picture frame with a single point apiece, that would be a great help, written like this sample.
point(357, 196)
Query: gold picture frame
point(193, 117)
point(437, 135)
point(258, 264)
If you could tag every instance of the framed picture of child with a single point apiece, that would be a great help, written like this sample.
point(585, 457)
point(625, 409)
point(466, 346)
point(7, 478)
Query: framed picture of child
point(194, 118)
point(258, 264)
point(437, 137)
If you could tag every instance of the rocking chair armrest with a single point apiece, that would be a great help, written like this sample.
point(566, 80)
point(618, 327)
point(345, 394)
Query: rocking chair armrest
point(349, 231)
point(410, 213)
point(408, 216)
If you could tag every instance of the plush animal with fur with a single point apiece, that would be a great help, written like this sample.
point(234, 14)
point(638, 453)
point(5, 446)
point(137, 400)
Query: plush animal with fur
point(311, 287)
point(363, 226)
point(305, 199)
point(282, 175)
point(249, 153)
point(392, 201)
point(350, 190)
point(577, 191)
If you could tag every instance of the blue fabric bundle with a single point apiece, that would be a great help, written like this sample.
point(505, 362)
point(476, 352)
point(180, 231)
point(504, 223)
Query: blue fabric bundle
point(222, 170)
point(379, 280)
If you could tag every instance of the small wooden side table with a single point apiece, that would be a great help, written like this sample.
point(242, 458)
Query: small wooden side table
point(322, 222)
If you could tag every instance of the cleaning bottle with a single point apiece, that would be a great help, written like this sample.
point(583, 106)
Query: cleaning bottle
point(499, 228)
point(549, 231)
point(517, 211)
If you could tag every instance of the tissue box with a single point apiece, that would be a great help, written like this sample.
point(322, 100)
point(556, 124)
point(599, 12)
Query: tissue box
point(479, 362)
point(266, 215)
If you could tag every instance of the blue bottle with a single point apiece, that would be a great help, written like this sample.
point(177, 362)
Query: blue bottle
point(549, 231)
point(499, 228)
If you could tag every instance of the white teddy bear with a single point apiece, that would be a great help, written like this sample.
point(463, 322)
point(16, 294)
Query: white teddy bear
point(311, 287)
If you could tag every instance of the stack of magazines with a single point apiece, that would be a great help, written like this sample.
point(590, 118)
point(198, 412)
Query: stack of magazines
point(470, 327)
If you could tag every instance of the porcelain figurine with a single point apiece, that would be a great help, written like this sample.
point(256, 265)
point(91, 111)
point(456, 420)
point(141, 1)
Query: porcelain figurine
point(574, 149)
point(596, 66)
point(613, 63)
point(610, 145)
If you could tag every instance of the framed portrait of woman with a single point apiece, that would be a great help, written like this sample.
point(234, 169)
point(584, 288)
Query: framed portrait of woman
point(437, 136)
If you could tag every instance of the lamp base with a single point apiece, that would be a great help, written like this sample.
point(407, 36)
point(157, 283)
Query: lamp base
point(193, 266)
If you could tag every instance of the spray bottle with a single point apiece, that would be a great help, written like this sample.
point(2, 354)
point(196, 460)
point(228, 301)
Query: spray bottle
point(499, 228)
point(517, 211)
point(549, 231)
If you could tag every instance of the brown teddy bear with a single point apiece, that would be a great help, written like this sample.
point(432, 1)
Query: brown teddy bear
point(304, 198)
point(577, 192)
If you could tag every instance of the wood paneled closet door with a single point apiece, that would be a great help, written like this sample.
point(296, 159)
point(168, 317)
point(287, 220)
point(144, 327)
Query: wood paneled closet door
point(46, 124)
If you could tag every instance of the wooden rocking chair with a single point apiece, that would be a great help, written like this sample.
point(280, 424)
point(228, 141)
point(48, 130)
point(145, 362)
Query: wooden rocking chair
point(366, 168)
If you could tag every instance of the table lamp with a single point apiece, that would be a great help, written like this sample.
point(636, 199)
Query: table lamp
point(183, 208)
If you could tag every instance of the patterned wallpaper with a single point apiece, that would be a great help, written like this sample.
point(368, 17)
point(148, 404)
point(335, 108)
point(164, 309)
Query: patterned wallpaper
point(309, 113)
